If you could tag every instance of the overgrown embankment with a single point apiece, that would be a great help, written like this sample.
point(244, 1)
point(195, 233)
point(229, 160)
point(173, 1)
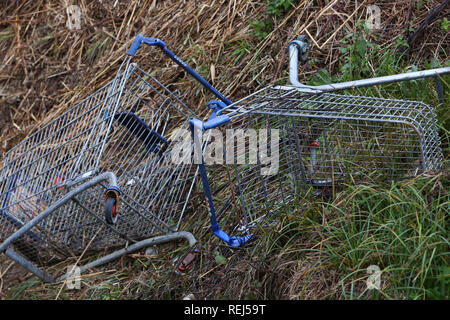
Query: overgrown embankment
point(317, 249)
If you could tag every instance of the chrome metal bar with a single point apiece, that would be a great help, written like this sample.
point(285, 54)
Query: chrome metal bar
point(28, 265)
point(24, 229)
point(136, 246)
point(384, 80)
point(293, 76)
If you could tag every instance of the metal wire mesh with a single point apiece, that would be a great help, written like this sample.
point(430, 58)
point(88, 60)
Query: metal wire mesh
point(323, 140)
point(128, 127)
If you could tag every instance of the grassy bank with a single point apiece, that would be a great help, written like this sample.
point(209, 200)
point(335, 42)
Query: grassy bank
point(316, 248)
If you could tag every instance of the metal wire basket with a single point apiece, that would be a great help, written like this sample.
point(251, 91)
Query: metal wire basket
point(101, 174)
point(283, 140)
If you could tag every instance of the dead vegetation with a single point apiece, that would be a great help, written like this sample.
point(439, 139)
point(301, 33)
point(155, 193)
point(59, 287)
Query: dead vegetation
point(47, 67)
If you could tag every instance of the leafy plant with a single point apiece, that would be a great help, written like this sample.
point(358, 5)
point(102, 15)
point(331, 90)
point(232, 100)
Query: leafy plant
point(278, 7)
point(445, 25)
point(274, 9)
point(261, 28)
point(357, 55)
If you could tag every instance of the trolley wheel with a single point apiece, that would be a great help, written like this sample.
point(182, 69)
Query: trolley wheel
point(304, 50)
point(111, 211)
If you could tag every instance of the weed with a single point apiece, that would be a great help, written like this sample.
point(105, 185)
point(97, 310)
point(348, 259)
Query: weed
point(445, 25)
point(274, 9)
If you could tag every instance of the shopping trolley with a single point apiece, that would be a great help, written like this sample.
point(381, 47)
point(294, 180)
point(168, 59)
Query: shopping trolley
point(283, 140)
point(104, 174)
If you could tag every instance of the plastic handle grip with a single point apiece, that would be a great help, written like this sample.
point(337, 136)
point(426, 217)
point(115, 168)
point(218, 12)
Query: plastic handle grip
point(148, 41)
point(215, 122)
point(232, 241)
point(156, 42)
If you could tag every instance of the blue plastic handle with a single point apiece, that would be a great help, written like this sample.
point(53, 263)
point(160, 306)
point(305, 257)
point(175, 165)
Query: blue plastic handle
point(148, 41)
point(211, 123)
point(216, 106)
point(158, 43)
point(232, 241)
point(215, 122)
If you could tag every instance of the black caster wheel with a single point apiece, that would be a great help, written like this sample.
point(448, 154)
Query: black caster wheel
point(111, 211)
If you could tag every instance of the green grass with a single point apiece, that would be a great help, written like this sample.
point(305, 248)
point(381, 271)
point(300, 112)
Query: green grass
point(274, 9)
point(314, 249)
point(402, 228)
point(362, 58)
point(317, 248)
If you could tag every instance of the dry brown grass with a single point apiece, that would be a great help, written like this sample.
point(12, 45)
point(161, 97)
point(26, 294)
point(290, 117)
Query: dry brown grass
point(45, 68)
